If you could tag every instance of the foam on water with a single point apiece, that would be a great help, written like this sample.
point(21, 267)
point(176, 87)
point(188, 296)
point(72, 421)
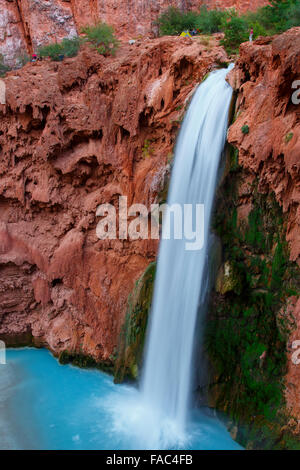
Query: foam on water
point(50, 406)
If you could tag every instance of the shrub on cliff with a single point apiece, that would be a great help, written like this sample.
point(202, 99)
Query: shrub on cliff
point(54, 51)
point(173, 21)
point(22, 59)
point(70, 47)
point(236, 31)
point(276, 17)
point(294, 15)
point(66, 48)
point(102, 37)
point(3, 68)
point(210, 21)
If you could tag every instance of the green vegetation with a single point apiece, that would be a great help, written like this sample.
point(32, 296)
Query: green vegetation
point(278, 16)
point(132, 336)
point(288, 137)
point(146, 149)
point(236, 31)
point(54, 51)
point(293, 16)
point(3, 68)
point(70, 47)
point(58, 50)
point(83, 360)
point(247, 328)
point(245, 129)
point(210, 21)
point(102, 38)
point(233, 158)
point(173, 21)
point(275, 18)
point(22, 59)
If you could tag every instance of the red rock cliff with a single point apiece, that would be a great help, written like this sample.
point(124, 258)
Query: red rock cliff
point(265, 76)
point(74, 135)
point(26, 24)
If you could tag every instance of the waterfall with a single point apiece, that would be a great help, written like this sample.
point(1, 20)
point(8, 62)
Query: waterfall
point(166, 380)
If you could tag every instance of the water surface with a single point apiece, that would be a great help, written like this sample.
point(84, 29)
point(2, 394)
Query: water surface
point(44, 405)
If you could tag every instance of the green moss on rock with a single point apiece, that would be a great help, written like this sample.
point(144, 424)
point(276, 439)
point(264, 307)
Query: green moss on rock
point(288, 137)
point(245, 129)
point(83, 361)
point(132, 336)
point(227, 279)
point(246, 334)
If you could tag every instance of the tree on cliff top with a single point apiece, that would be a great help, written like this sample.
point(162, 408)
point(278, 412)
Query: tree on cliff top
point(210, 21)
point(279, 16)
point(294, 17)
point(173, 21)
point(236, 31)
point(274, 18)
point(102, 37)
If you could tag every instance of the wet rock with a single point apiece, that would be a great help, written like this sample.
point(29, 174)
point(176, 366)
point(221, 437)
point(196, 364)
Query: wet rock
point(226, 279)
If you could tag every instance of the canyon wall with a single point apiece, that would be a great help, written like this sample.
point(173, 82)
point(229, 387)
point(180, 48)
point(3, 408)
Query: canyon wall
point(253, 329)
point(240, 5)
point(27, 24)
point(266, 76)
point(83, 132)
point(74, 135)
point(269, 152)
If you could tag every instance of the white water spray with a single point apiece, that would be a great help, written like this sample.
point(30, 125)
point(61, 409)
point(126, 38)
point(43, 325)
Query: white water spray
point(180, 273)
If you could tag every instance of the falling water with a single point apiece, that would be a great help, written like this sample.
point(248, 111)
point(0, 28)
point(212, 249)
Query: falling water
point(66, 401)
point(167, 377)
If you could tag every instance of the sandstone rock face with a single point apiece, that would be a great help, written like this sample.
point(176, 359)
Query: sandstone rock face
point(74, 135)
point(26, 24)
point(129, 18)
point(240, 5)
point(45, 21)
point(12, 35)
point(265, 76)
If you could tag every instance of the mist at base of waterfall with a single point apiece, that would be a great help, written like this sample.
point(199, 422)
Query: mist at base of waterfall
point(45, 405)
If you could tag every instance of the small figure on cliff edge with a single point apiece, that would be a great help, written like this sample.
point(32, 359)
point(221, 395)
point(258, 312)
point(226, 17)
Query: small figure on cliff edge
point(251, 35)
